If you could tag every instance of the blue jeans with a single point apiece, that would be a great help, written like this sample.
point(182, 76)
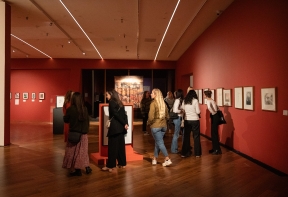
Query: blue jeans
point(158, 134)
point(174, 145)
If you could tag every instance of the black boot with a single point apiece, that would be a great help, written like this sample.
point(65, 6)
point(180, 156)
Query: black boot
point(88, 170)
point(77, 172)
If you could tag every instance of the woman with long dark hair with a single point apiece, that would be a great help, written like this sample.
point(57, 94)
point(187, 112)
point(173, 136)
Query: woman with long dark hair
point(177, 122)
point(191, 109)
point(76, 155)
point(66, 105)
point(116, 132)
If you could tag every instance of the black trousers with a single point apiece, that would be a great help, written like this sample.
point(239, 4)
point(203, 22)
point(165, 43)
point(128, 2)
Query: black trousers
point(144, 123)
point(214, 132)
point(194, 126)
point(116, 150)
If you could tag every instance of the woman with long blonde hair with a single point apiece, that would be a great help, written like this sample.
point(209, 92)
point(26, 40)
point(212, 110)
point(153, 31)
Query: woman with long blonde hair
point(157, 119)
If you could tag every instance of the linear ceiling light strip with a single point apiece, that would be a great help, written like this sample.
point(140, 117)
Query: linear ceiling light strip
point(31, 46)
point(186, 28)
point(55, 23)
point(81, 28)
point(167, 29)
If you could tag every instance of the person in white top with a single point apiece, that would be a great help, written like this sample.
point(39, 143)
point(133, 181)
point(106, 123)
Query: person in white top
point(212, 107)
point(177, 122)
point(191, 109)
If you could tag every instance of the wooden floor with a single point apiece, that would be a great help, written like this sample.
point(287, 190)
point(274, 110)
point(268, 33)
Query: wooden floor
point(31, 166)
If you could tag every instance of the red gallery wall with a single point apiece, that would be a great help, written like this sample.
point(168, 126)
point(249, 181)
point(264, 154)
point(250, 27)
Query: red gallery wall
point(246, 46)
point(55, 77)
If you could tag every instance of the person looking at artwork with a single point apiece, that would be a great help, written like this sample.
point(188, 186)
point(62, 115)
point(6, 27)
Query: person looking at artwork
point(177, 122)
point(76, 155)
point(145, 106)
point(191, 109)
point(157, 118)
point(169, 101)
point(212, 107)
point(66, 105)
point(116, 132)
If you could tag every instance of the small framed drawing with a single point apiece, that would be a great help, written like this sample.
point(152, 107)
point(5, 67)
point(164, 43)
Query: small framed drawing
point(219, 96)
point(17, 95)
point(25, 95)
point(33, 95)
point(248, 98)
point(41, 96)
point(238, 96)
point(59, 101)
point(268, 99)
point(200, 96)
point(227, 97)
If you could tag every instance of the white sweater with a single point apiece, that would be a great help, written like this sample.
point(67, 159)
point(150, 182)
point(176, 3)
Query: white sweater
point(212, 107)
point(177, 108)
point(191, 111)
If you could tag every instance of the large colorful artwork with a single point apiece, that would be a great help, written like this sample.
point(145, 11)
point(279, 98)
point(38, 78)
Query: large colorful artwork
point(130, 89)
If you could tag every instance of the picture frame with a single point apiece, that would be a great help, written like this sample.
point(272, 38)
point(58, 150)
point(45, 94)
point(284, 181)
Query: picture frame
point(248, 98)
point(41, 96)
point(238, 97)
point(17, 95)
point(205, 100)
point(268, 99)
point(200, 96)
point(219, 96)
point(227, 98)
point(60, 101)
point(33, 95)
point(105, 116)
point(213, 94)
point(25, 95)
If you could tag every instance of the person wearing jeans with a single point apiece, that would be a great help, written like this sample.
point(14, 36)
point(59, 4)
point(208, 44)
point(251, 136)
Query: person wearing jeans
point(177, 122)
point(157, 119)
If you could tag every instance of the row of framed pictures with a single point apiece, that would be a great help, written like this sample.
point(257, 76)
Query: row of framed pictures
point(243, 97)
point(25, 95)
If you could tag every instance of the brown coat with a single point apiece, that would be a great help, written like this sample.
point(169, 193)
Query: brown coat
point(153, 117)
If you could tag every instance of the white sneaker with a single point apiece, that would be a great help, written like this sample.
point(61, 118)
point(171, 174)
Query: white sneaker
point(154, 161)
point(167, 162)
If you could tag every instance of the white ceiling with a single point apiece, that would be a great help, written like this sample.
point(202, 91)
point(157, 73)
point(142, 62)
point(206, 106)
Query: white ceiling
point(119, 29)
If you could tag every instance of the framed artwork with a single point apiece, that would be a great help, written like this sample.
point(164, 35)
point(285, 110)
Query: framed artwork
point(205, 100)
point(268, 99)
point(213, 94)
point(33, 95)
point(25, 95)
point(10, 95)
point(200, 96)
point(219, 96)
point(238, 96)
point(248, 98)
point(227, 97)
point(60, 101)
point(17, 95)
point(105, 117)
point(41, 96)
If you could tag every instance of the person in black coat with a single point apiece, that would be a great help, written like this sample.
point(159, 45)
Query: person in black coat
point(116, 132)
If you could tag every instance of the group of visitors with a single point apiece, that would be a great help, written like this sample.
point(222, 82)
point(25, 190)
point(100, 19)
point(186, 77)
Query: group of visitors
point(155, 112)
